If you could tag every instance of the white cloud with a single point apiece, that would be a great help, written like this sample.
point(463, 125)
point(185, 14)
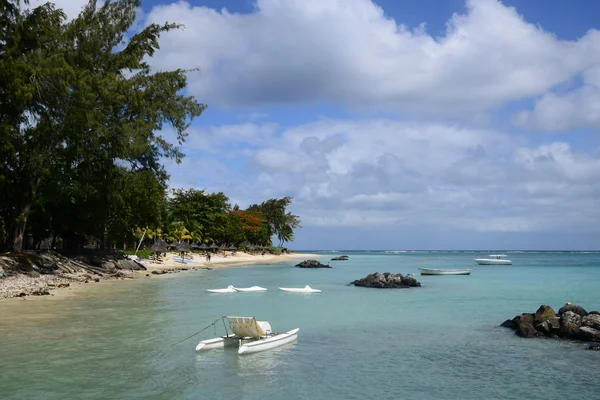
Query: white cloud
point(377, 173)
point(579, 108)
point(350, 52)
point(72, 8)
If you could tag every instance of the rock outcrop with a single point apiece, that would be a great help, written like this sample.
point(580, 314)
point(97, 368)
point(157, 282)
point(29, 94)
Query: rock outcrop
point(340, 258)
point(312, 264)
point(572, 322)
point(387, 280)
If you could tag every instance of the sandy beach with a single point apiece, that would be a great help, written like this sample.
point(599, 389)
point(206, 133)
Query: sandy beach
point(21, 285)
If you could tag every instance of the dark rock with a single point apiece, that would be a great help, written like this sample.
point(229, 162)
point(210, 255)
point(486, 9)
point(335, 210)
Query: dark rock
point(507, 324)
point(96, 279)
point(527, 330)
point(40, 292)
point(594, 347)
point(544, 313)
point(311, 264)
point(340, 258)
point(62, 285)
point(589, 334)
point(554, 324)
point(592, 320)
point(569, 324)
point(576, 309)
point(386, 281)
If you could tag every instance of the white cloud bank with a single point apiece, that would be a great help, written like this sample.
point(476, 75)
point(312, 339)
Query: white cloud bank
point(387, 173)
point(350, 52)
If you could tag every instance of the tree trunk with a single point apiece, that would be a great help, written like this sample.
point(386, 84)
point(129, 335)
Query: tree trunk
point(21, 224)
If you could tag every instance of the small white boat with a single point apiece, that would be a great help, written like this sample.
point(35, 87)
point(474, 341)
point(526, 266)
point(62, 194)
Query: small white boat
point(250, 335)
point(305, 289)
point(433, 271)
point(494, 259)
point(250, 289)
point(228, 289)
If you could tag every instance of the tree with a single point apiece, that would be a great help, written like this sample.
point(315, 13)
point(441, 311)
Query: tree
point(279, 223)
point(75, 103)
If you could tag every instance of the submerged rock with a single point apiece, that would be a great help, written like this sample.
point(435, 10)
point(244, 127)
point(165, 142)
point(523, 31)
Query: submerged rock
point(312, 264)
point(387, 280)
point(572, 322)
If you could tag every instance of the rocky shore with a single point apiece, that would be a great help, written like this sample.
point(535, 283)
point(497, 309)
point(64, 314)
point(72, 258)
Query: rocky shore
point(387, 280)
point(38, 273)
point(572, 322)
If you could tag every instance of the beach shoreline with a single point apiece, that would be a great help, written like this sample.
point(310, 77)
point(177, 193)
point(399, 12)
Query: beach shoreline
point(21, 286)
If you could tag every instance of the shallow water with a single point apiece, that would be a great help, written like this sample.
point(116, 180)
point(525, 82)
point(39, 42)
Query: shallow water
point(441, 341)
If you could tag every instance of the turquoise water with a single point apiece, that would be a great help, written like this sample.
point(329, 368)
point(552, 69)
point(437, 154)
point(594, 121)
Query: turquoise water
point(441, 341)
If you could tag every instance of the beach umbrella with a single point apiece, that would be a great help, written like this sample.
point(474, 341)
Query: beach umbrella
point(203, 246)
point(183, 247)
point(232, 247)
point(159, 246)
point(213, 246)
point(250, 247)
point(194, 245)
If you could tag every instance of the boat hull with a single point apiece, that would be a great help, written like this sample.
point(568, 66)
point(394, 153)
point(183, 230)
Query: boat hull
point(431, 271)
point(491, 261)
point(272, 342)
point(306, 289)
point(251, 289)
point(217, 343)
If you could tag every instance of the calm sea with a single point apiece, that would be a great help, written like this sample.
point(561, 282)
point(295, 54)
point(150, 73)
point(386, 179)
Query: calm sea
point(441, 341)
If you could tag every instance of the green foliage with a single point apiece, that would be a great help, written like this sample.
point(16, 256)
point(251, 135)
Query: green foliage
point(80, 112)
point(275, 250)
point(81, 150)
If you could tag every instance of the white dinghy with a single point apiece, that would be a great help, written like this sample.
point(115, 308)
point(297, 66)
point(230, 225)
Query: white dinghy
point(250, 289)
point(433, 271)
point(228, 289)
point(250, 335)
point(494, 259)
point(305, 289)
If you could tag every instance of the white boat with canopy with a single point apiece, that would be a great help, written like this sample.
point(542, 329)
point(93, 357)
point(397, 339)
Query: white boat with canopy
point(251, 289)
point(494, 259)
point(228, 289)
point(433, 271)
point(250, 335)
point(305, 289)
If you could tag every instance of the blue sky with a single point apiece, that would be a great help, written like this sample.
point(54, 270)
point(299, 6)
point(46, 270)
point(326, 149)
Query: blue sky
point(415, 124)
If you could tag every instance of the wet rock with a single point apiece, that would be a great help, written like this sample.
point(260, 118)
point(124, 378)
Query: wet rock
point(340, 258)
point(573, 308)
point(544, 313)
point(569, 324)
point(386, 280)
point(591, 320)
point(594, 347)
point(589, 334)
point(1, 272)
point(573, 323)
point(34, 274)
point(312, 264)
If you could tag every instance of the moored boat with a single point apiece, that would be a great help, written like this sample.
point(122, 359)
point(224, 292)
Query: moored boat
point(251, 289)
point(305, 289)
point(493, 259)
point(228, 289)
point(433, 271)
point(250, 335)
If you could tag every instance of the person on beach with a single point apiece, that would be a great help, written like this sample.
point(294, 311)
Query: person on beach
point(208, 257)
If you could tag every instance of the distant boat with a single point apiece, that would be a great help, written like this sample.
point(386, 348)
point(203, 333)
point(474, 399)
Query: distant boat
point(228, 289)
point(494, 259)
point(432, 271)
point(251, 289)
point(306, 289)
point(250, 335)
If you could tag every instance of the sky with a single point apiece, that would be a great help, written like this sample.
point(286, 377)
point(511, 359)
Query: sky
point(394, 125)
